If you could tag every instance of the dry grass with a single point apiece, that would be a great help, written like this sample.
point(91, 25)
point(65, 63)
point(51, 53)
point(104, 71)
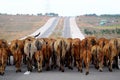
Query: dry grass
point(17, 26)
point(58, 30)
point(91, 23)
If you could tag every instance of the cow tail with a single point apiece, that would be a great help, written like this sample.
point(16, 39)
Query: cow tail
point(29, 50)
point(110, 49)
point(16, 57)
point(39, 57)
point(37, 44)
point(86, 47)
point(60, 47)
point(103, 44)
point(1, 61)
point(96, 52)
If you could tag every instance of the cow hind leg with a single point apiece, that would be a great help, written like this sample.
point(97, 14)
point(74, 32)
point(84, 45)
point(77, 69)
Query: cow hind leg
point(110, 65)
point(70, 63)
point(39, 67)
point(18, 63)
point(62, 65)
point(1, 70)
point(87, 69)
point(116, 62)
point(29, 65)
point(47, 66)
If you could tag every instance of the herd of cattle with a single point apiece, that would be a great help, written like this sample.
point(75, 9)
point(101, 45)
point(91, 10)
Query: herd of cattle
point(60, 52)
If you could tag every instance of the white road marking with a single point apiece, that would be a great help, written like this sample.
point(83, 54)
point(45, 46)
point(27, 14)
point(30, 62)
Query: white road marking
point(75, 31)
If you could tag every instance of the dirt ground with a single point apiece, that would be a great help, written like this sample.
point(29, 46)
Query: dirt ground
point(16, 26)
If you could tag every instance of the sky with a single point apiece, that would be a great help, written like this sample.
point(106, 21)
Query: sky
point(62, 7)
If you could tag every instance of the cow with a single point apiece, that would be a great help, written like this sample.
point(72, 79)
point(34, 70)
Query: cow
point(30, 48)
point(118, 47)
point(16, 48)
point(98, 57)
point(114, 46)
point(102, 42)
point(3, 60)
point(4, 44)
point(76, 51)
point(49, 42)
point(39, 59)
point(111, 54)
point(86, 53)
point(27, 39)
point(60, 52)
point(69, 55)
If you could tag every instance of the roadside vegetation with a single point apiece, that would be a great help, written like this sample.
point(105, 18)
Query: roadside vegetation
point(107, 26)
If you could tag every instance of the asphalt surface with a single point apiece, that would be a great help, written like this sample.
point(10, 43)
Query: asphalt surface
point(55, 74)
point(10, 74)
point(50, 29)
point(66, 29)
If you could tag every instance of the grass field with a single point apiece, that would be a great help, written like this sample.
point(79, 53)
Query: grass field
point(90, 26)
point(18, 26)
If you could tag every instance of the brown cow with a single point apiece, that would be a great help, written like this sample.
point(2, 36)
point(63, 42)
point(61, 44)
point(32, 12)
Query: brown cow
point(110, 53)
point(86, 53)
point(3, 60)
point(39, 59)
point(30, 48)
point(4, 44)
point(114, 46)
point(98, 57)
point(118, 47)
point(69, 55)
point(102, 42)
point(49, 52)
point(16, 48)
point(76, 48)
point(60, 52)
point(27, 39)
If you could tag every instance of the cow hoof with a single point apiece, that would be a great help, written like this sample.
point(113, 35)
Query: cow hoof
point(9, 64)
point(117, 67)
point(87, 73)
point(81, 70)
point(101, 70)
point(48, 69)
point(96, 67)
point(70, 67)
point(62, 70)
point(1, 73)
point(110, 70)
point(18, 70)
point(39, 71)
point(30, 70)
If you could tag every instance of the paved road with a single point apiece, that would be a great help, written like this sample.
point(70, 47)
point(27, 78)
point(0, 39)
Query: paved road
point(47, 29)
point(10, 74)
point(50, 29)
point(75, 31)
point(66, 29)
point(71, 29)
